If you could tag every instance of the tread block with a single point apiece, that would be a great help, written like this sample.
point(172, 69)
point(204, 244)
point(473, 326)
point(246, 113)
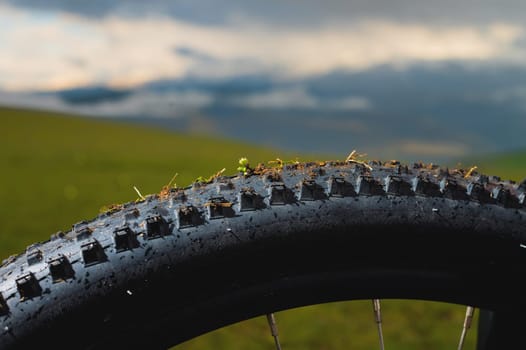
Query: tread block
point(125, 239)
point(4, 310)
point(250, 200)
point(311, 191)
point(79, 225)
point(93, 253)
point(9, 260)
point(28, 287)
point(483, 179)
point(34, 256)
point(368, 185)
point(478, 192)
point(280, 194)
point(57, 235)
point(84, 233)
point(132, 214)
point(397, 185)
point(178, 194)
point(505, 197)
point(426, 187)
point(188, 216)
point(453, 190)
point(224, 186)
point(338, 187)
point(156, 227)
point(219, 207)
point(494, 178)
point(273, 176)
point(521, 188)
point(60, 269)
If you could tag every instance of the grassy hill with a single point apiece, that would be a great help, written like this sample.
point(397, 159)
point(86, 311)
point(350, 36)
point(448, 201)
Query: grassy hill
point(57, 170)
point(510, 166)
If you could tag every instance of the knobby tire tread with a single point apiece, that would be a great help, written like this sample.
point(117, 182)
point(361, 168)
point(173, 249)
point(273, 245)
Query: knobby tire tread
point(156, 272)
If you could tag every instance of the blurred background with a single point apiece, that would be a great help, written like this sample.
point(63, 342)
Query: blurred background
point(99, 96)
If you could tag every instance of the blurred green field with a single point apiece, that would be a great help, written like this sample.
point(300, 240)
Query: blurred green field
point(510, 166)
point(57, 170)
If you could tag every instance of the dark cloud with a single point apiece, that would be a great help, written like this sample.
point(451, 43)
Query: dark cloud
point(84, 8)
point(295, 12)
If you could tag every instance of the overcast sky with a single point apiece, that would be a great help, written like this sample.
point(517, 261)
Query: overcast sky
point(48, 45)
point(294, 12)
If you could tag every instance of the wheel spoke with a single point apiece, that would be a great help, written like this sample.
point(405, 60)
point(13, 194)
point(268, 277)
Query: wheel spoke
point(274, 330)
point(470, 311)
point(378, 319)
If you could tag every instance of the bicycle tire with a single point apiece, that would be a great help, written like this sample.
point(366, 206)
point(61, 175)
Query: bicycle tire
point(156, 272)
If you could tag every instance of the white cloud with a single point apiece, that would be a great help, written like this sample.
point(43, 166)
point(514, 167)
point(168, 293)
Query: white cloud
point(511, 95)
point(159, 105)
point(142, 103)
point(59, 51)
point(352, 103)
point(297, 97)
point(280, 98)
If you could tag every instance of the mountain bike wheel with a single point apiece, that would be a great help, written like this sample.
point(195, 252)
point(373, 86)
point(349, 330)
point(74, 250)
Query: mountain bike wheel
point(159, 271)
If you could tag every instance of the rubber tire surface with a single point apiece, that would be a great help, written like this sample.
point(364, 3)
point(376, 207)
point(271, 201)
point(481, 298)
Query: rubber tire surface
point(154, 273)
